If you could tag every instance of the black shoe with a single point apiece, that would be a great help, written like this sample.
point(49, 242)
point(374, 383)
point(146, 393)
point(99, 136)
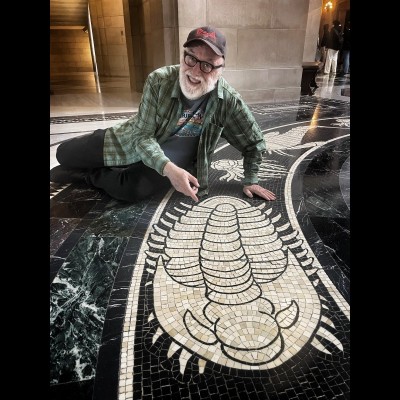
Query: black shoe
point(60, 174)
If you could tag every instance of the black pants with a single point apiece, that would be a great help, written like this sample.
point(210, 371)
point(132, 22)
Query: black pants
point(131, 183)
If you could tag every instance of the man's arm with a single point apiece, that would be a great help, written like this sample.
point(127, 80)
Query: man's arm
point(144, 140)
point(243, 133)
point(181, 180)
point(135, 139)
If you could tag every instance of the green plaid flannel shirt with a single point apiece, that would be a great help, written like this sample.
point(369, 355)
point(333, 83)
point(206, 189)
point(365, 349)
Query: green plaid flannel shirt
point(226, 116)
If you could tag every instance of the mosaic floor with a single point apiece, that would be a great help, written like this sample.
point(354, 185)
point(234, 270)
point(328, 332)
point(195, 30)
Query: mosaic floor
point(227, 298)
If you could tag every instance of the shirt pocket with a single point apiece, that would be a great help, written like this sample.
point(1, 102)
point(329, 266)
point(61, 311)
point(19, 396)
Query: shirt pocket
point(211, 136)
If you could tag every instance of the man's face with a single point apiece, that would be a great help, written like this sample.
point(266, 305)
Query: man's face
point(193, 81)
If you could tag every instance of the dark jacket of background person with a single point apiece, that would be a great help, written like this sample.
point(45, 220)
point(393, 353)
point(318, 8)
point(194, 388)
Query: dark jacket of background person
point(322, 45)
point(335, 37)
point(346, 38)
point(325, 36)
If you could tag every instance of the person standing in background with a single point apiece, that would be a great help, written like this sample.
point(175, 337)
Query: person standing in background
point(334, 44)
point(323, 43)
point(346, 49)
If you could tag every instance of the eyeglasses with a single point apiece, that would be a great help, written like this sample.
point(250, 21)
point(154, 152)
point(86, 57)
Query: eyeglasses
point(206, 67)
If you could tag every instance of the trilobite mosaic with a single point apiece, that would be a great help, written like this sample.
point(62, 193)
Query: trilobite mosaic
point(232, 283)
point(234, 169)
point(281, 143)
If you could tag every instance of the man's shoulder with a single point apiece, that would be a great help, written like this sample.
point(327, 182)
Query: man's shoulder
point(227, 88)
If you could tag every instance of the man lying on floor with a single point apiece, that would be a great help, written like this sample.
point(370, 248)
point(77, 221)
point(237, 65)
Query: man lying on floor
point(184, 111)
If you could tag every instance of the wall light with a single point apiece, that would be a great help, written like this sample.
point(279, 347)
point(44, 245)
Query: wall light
point(328, 6)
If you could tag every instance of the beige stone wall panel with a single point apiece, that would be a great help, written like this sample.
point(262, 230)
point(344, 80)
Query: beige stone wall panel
point(114, 22)
point(224, 13)
point(264, 48)
point(147, 70)
point(289, 14)
point(137, 51)
point(192, 14)
point(231, 47)
point(115, 36)
point(147, 52)
point(312, 30)
point(157, 39)
point(256, 14)
point(156, 14)
point(112, 7)
point(116, 65)
point(139, 81)
point(103, 37)
point(146, 18)
point(170, 13)
point(284, 77)
point(104, 50)
point(135, 15)
point(101, 23)
point(99, 8)
point(170, 48)
point(116, 50)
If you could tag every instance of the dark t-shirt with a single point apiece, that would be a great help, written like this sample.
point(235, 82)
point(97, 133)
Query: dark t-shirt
point(181, 147)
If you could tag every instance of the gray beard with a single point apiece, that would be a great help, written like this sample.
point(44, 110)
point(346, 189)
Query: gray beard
point(194, 94)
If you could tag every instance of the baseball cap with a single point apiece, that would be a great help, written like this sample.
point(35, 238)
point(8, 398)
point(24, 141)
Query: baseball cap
point(210, 36)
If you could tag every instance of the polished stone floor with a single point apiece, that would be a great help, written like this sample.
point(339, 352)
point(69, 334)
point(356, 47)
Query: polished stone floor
point(227, 298)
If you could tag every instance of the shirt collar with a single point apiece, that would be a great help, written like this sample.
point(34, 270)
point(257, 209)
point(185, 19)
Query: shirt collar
point(219, 87)
point(176, 90)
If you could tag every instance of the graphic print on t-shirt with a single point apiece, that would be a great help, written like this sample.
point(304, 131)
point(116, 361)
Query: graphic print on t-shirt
point(191, 120)
point(193, 125)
